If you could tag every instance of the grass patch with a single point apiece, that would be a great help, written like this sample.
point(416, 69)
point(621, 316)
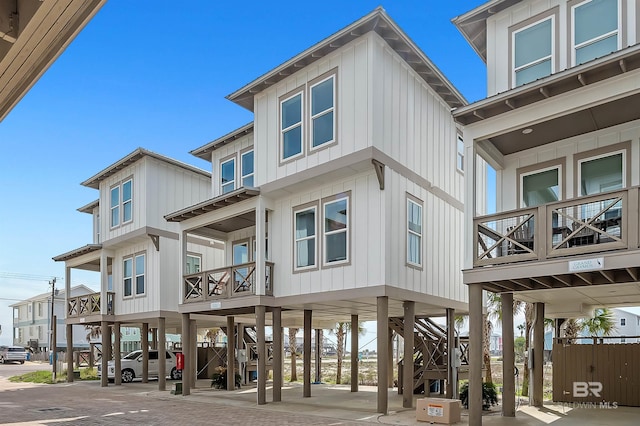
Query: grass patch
point(34, 377)
point(89, 374)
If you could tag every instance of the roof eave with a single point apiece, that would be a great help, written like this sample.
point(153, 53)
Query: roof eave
point(204, 152)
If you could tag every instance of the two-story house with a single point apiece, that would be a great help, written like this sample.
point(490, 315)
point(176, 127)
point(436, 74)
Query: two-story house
point(134, 249)
point(341, 201)
point(32, 319)
point(561, 127)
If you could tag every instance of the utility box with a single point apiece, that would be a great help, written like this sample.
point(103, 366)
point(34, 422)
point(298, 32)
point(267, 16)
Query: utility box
point(438, 410)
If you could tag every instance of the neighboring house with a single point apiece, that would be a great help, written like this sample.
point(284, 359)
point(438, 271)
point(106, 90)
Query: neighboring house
point(32, 35)
point(341, 201)
point(627, 327)
point(134, 249)
point(32, 321)
point(561, 127)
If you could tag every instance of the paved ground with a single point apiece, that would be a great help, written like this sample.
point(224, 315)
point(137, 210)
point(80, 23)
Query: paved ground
point(86, 403)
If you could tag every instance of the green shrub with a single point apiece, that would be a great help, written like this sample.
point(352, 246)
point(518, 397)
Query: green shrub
point(489, 395)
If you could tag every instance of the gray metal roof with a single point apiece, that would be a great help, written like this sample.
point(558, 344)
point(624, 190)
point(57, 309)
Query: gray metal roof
point(205, 151)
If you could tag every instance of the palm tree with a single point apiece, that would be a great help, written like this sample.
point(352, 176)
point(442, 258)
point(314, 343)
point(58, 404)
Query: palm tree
point(94, 332)
point(293, 348)
point(211, 335)
point(602, 323)
point(341, 331)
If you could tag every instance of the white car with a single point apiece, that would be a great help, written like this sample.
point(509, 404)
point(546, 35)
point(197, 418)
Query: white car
point(132, 366)
point(12, 354)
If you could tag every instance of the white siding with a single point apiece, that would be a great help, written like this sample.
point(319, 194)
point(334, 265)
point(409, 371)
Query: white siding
point(153, 279)
point(225, 152)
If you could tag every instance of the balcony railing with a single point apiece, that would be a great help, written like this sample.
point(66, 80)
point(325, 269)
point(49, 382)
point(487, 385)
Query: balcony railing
point(89, 304)
point(590, 224)
point(225, 283)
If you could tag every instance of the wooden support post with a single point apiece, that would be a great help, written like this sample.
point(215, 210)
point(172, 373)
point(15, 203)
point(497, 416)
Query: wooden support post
point(318, 356)
point(144, 343)
point(383, 352)
point(231, 359)
point(452, 371)
point(106, 341)
point(306, 390)
point(193, 341)
point(475, 354)
point(186, 353)
point(117, 358)
point(160, 334)
point(278, 348)
point(354, 353)
point(154, 338)
point(69, 360)
point(390, 339)
point(240, 346)
point(508, 358)
point(538, 356)
point(262, 355)
point(407, 367)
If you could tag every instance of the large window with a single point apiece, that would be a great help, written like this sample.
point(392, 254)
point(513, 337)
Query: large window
point(193, 263)
point(595, 29)
point(291, 127)
point(305, 238)
point(228, 175)
point(414, 233)
point(533, 48)
point(322, 112)
point(336, 230)
point(121, 203)
point(602, 173)
point(540, 187)
point(246, 164)
point(134, 272)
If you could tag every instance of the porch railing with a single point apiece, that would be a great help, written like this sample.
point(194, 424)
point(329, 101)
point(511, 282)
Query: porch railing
point(583, 225)
point(89, 304)
point(225, 283)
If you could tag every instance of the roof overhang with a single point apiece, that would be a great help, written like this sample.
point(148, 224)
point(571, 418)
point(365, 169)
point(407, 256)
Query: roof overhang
point(473, 24)
point(32, 36)
point(88, 208)
point(89, 248)
point(566, 83)
point(205, 151)
point(377, 21)
point(94, 181)
point(213, 204)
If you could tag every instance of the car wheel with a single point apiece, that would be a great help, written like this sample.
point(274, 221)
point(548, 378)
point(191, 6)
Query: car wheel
point(128, 375)
point(21, 362)
point(176, 374)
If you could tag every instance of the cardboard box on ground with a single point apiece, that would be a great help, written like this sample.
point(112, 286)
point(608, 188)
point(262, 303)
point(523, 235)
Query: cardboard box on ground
point(438, 410)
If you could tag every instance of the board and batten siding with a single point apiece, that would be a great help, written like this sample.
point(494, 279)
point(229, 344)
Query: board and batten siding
point(564, 150)
point(442, 241)
point(211, 257)
point(367, 243)
point(352, 65)
point(498, 35)
point(164, 288)
point(224, 153)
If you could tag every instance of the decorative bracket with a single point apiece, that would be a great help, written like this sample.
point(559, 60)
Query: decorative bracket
point(156, 241)
point(379, 168)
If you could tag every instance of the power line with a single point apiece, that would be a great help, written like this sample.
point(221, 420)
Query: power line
point(27, 277)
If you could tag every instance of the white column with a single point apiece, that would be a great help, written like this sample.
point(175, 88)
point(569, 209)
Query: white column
point(260, 246)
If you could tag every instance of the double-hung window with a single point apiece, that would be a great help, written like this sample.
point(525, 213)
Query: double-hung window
point(291, 127)
point(121, 203)
point(305, 238)
point(322, 112)
point(126, 201)
point(414, 233)
point(596, 29)
point(533, 51)
point(246, 165)
point(228, 175)
point(128, 277)
point(140, 267)
point(134, 272)
point(336, 231)
point(115, 206)
point(460, 154)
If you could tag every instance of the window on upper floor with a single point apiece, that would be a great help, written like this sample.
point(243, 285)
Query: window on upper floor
point(246, 169)
point(336, 230)
point(97, 227)
point(460, 153)
point(322, 112)
point(602, 173)
point(291, 110)
point(305, 238)
point(540, 187)
point(533, 51)
point(228, 175)
point(623, 322)
point(40, 310)
point(134, 275)
point(193, 263)
point(414, 232)
point(121, 203)
point(595, 30)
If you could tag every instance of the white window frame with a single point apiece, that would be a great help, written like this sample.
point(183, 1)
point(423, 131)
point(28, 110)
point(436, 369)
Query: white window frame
point(321, 113)
point(283, 159)
point(597, 157)
point(410, 201)
point(129, 201)
point(113, 207)
point(326, 233)
point(136, 274)
point(314, 265)
point(574, 47)
point(232, 182)
point(125, 277)
point(244, 176)
point(535, 172)
point(121, 204)
point(195, 256)
point(551, 56)
point(460, 153)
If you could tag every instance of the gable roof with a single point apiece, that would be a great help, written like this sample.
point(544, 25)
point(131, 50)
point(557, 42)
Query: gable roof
point(84, 288)
point(205, 151)
point(473, 24)
point(94, 181)
point(377, 21)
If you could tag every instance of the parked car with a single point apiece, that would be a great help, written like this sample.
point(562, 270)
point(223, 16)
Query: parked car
point(131, 367)
point(12, 354)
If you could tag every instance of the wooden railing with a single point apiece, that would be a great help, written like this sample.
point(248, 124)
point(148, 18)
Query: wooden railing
point(607, 221)
point(225, 283)
point(89, 304)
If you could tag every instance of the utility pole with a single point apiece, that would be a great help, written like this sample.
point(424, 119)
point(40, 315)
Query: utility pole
point(52, 342)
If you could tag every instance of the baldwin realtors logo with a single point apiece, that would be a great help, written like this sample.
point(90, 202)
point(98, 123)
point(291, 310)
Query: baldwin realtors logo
point(587, 389)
